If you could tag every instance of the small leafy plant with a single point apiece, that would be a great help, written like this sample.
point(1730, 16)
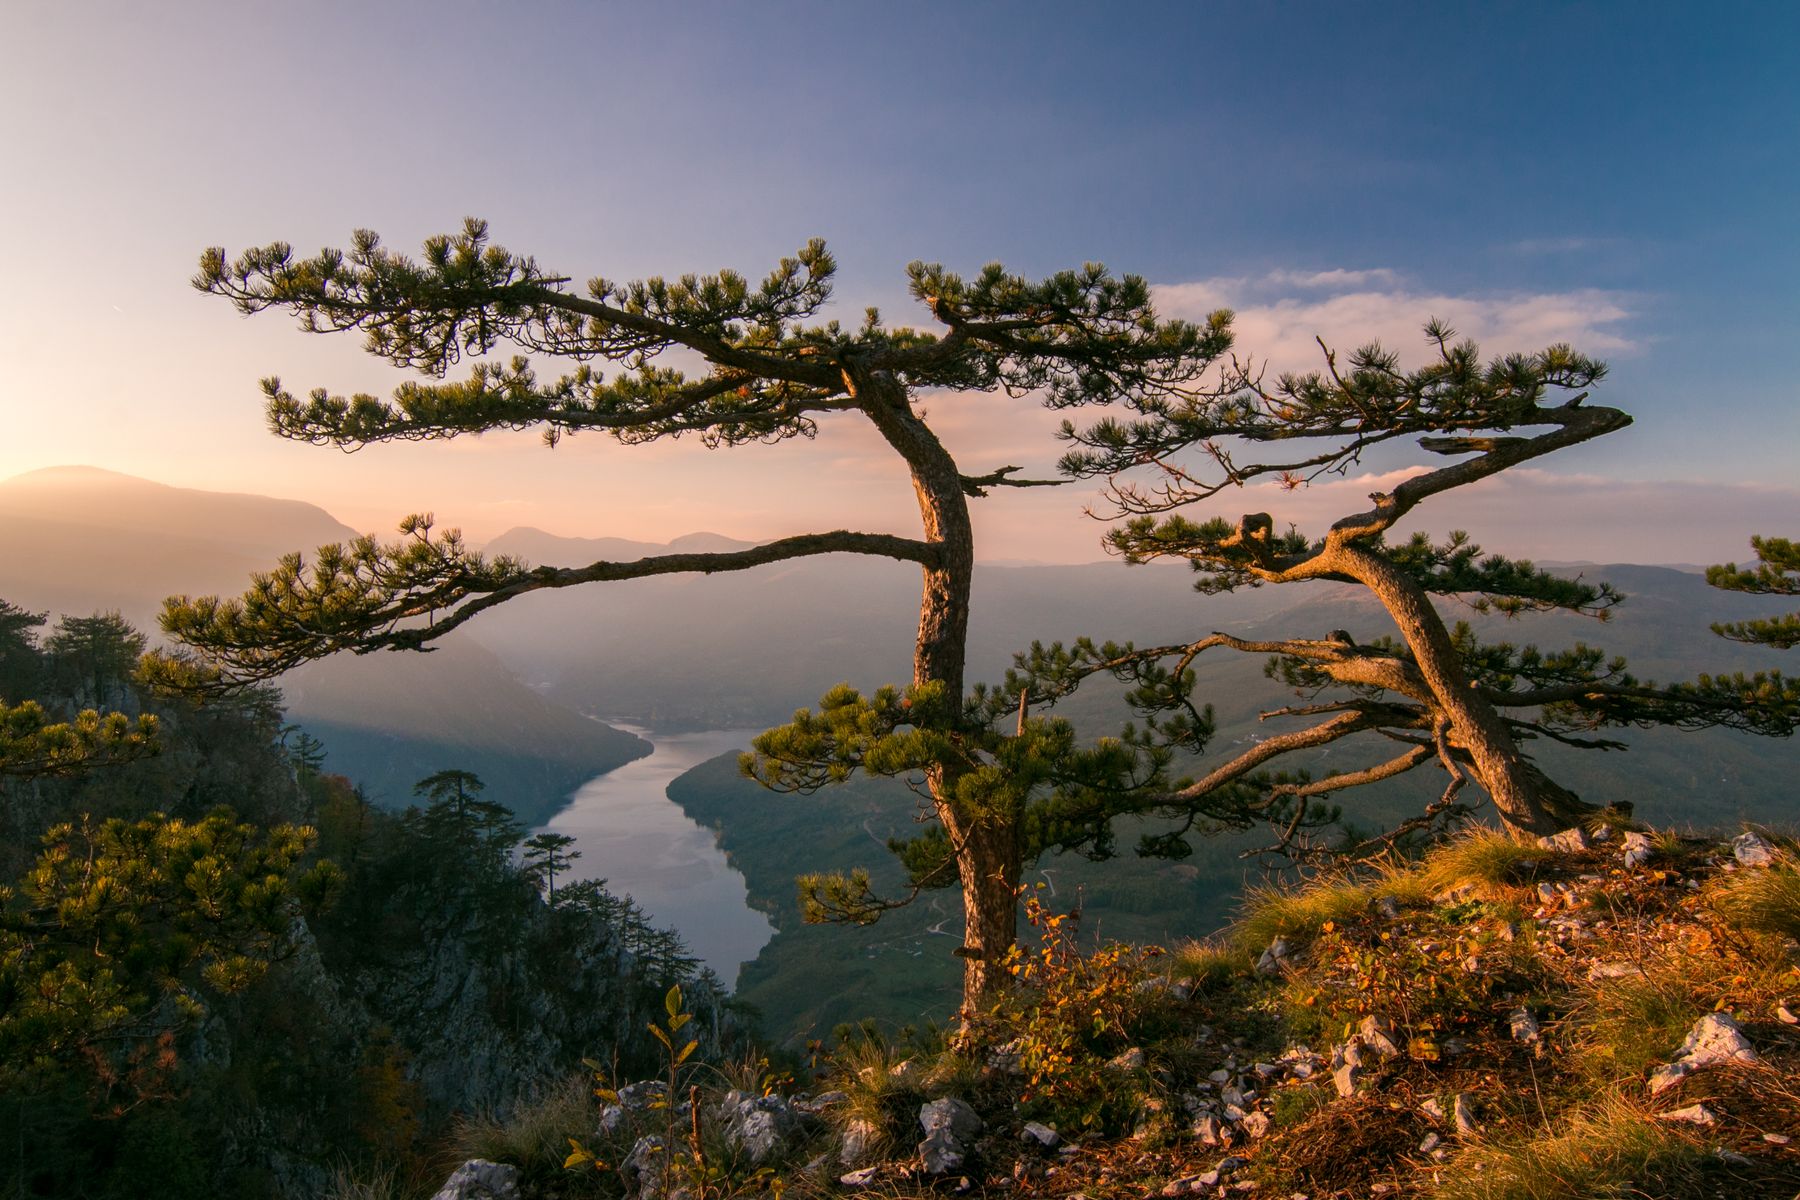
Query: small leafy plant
point(1070, 1014)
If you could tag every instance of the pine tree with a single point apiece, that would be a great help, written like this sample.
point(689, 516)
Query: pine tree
point(94, 657)
point(547, 855)
point(457, 816)
point(771, 373)
point(1776, 573)
point(1436, 695)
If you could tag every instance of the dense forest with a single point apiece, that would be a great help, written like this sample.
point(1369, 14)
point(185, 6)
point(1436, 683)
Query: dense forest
point(224, 972)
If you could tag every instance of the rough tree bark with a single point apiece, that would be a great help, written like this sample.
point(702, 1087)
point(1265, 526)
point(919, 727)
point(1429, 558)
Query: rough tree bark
point(987, 852)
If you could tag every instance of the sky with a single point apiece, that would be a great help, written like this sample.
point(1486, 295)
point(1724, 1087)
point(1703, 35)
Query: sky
point(1624, 177)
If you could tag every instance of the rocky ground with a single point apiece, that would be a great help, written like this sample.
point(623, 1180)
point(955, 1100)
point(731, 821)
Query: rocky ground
point(1606, 1014)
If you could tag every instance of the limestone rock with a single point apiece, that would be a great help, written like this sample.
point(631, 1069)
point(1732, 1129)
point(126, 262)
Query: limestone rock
point(643, 1167)
point(1006, 1057)
point(950, 1125)
point(814, 1105)
point(1752, 850)
point(1568, 841)
point(907, 1073)
point(1377, 1036)
point(761, 1125)
point(1693, 1114)
point(1035, 1133)
point(860, 1139)
point(1715, 1039)
point(479, 1179)
point(1130, 1060)
point(1637, 848)
point(1274, 958)
point(860, 1179)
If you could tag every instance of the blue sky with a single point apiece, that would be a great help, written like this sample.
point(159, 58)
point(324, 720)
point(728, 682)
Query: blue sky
point(1623, 175)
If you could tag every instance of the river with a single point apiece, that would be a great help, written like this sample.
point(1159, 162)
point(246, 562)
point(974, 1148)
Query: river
point(640, 842)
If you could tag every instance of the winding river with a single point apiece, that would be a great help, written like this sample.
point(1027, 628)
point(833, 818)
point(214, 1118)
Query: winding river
point(640, 842)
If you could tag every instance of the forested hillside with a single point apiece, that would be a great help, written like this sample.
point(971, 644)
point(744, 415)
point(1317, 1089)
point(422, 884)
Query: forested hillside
point(418, 976)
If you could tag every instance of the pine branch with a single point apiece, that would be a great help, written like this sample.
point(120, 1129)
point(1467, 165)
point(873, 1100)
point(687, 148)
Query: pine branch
point(373, 596)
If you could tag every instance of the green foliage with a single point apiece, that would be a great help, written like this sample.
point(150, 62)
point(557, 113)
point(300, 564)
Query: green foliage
point(685, 1163)
point(457, 816)
point(1456, 982)
point(1776, 573)
point(1034, 788)
point(122, 928)
point(94, 657)
point(1490, 415)
point(34, 745)
point(1085, 336)
point(1072, 1012)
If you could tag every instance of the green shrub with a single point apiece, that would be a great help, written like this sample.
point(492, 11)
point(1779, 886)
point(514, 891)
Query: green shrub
point(1067, 1016)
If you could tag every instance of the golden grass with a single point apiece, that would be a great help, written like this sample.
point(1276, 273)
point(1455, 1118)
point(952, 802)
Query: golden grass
point(1614, 1150)
point(1208, 966)
point(1484, 859)
point(1270, 913)
point(1761, 900)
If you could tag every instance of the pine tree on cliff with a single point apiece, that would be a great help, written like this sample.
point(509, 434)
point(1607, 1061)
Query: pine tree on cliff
point(771, 372)
point(1437, 695)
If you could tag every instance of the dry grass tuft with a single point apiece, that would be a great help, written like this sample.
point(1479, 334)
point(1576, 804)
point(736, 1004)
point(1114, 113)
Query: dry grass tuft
point(1615, 1150)
point(1270, 913)
point(1484, 859)
point(1762, 901)
point(1208, 966)
point(536, 1137)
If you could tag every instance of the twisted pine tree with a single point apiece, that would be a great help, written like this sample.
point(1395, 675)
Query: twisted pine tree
point(771, 372)
point(1437, 694)
point(1776, 573)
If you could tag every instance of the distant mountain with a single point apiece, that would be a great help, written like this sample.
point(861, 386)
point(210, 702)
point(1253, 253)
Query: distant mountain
point(80, 539)
point(76, 540)
point(534, 545)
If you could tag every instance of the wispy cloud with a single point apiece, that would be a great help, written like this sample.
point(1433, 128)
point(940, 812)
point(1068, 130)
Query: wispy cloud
point(1337, 279)
point(1279, 329)
point(1558, 245)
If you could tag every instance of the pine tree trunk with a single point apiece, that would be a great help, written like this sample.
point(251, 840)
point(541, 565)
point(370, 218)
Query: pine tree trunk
point(1518, 790)
point(987, 852)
